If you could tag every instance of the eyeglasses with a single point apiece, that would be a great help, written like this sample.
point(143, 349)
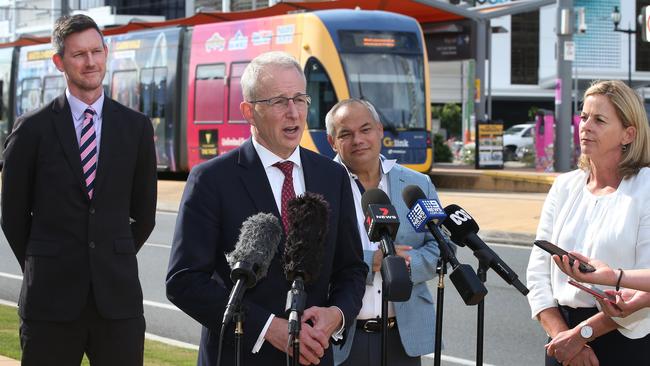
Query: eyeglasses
point(301, 101)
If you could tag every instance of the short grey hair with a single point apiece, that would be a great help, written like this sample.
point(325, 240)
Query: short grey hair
point(329, 118)
point(254, 70)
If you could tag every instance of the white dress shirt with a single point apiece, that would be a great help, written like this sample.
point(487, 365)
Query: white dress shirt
point(371, 304)
point(77, 107)
point(614, 228)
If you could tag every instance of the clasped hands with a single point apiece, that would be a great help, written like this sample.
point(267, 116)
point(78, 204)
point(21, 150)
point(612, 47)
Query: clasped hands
point(570, 349)
point(314, 338)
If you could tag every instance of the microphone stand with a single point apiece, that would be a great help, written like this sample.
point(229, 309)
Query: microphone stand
point(441, 269)
point(239, 333)
point(483, 267)
point(238, 316)
point(296, 300)
point(384, 324)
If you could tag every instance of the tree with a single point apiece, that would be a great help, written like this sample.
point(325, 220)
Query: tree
point(441, 152)
point(450, 119)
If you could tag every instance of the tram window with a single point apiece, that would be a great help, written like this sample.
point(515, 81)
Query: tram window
point(321, 90)
point(53, 87)
point(159, 91)
point(30, 95)
point(125, 88)
point(146, 91)
point(153, 88)
point(235, 94)
point(208, 95)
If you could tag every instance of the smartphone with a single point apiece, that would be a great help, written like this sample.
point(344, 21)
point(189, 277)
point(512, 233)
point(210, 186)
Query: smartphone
point(594, 291)
point(554, 249)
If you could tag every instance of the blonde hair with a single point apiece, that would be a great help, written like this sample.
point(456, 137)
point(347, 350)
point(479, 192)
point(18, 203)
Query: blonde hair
point(630, 110)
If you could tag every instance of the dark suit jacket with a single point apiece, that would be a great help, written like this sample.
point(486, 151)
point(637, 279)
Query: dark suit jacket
point(222, 193)
point(66, 243)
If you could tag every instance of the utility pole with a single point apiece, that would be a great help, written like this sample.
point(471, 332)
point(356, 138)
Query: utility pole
point(65, 7)
point(564, 30)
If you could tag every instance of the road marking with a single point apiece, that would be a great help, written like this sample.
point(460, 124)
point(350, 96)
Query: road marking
point(176, 343)
point(171, 342)
point(158, 245)
point(12, 276)
point(160, 305)
point(145, 302)
point(8, 303)
point(153, 337)
point(456, 360)
point(174, 213)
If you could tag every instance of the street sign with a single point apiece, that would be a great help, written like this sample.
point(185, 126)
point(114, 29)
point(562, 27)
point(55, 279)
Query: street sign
point(569, 51)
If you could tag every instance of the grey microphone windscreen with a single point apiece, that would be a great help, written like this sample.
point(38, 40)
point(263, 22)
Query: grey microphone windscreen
point(258, 242)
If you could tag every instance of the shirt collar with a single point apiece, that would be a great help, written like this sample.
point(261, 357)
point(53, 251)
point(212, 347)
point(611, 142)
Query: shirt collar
point(385, 164)
point(77, 107)
point(268, 158)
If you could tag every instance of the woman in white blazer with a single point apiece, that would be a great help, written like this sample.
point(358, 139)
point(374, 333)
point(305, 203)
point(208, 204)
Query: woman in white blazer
point(601, 210)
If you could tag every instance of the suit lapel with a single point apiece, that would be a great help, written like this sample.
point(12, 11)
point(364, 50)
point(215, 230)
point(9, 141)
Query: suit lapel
point(64, 127)
point(107, 143)
point(253, 176)
point(396, 185)
point(313, 180)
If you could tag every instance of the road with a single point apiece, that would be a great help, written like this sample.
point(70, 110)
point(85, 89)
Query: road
point(511, 337)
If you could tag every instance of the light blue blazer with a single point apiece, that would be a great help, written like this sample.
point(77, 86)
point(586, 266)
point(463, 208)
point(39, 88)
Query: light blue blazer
point(415, 317)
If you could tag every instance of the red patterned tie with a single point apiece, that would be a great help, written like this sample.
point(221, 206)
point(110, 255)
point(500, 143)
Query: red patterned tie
point(287, 190)
point(88, 150)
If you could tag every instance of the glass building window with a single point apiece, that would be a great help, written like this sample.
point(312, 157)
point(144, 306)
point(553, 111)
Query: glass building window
point(524, 52)
point(642, 48)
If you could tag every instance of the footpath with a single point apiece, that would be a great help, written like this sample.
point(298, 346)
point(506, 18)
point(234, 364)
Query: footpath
point(504, 216)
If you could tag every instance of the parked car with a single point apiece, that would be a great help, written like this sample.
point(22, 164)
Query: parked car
point(515, 137)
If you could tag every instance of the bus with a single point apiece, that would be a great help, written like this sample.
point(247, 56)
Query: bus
point(186, 79)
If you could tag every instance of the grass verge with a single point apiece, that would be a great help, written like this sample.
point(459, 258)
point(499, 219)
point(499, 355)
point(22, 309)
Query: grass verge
point(155, 353)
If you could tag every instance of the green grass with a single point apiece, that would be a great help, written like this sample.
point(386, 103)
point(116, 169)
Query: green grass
point(155, 353)
point(9, 341)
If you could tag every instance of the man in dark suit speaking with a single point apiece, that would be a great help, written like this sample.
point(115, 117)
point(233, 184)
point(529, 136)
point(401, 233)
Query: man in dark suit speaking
point(222, 193)
point(78, 202)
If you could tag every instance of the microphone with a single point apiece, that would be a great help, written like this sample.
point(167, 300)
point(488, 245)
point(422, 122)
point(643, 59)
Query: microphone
point(462, 229)
point(308, 217)
point(425, 215)
point(381, 224)
point(249, 261)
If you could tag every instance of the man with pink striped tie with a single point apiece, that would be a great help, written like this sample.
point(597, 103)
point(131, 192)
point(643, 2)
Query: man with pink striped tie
point(78, 202)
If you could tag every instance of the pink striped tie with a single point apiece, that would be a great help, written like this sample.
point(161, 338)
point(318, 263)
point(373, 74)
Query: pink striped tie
point(88, 149)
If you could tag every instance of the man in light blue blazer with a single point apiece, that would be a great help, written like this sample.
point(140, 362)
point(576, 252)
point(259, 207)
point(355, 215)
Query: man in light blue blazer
point(355, 133)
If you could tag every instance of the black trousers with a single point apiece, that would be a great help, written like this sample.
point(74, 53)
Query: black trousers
point(366, 350)
point(106, 342)
point(613, 348)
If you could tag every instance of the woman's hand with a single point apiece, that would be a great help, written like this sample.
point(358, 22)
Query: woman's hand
point(604, 275)
point(586, 357)
point(627, 302)
point(565, 345)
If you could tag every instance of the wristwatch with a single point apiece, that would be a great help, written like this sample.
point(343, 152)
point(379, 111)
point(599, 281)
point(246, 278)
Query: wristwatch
point(586, 331)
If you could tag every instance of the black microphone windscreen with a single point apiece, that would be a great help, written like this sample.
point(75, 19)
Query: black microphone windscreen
point(258, 242)
point(411, 194)
point(459, 223)
point(308, 222)
point(374, 196)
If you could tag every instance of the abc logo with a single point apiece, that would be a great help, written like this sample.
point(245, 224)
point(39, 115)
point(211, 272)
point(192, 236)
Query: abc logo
point(459, 217)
